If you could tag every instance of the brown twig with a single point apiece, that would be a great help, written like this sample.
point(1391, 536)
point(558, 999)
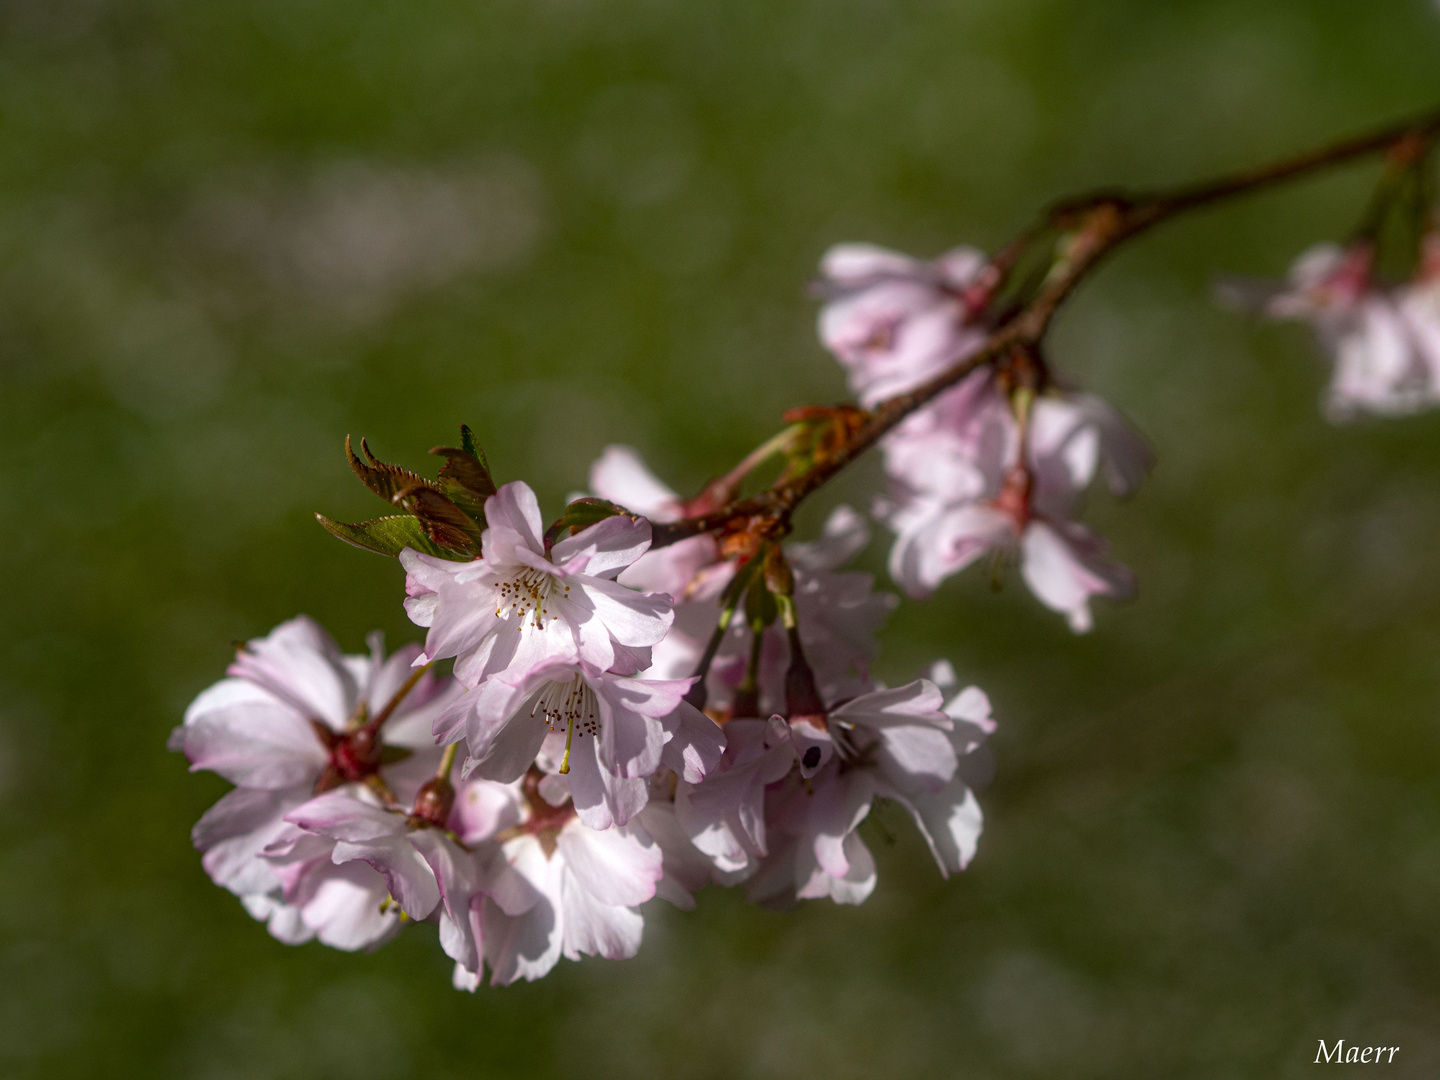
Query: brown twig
point(1095, 225)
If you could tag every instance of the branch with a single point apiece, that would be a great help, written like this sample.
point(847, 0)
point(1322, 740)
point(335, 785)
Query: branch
point(1095, 225)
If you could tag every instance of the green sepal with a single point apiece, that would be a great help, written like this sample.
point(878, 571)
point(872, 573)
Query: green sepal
point(389, 536)
point(390, 755)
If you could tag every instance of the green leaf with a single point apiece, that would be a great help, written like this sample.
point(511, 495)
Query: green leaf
point(581, 514)
point(465, 477)
point(389, 535)
point(443, 521)
point(464, 498)
point(382, 478)
point(471, 447)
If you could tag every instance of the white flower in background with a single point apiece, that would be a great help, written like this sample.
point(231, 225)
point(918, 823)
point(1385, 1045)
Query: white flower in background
point(520, 605)
point(894, 321)
point(839, 612)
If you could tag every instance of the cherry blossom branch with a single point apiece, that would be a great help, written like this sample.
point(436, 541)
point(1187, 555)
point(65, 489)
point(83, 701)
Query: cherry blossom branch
point(1092, 226)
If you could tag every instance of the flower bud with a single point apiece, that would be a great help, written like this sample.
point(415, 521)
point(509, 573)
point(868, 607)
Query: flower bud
point(434, 801)
point(802, 697)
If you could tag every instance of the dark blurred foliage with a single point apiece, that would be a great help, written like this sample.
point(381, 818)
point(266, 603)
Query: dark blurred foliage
point(232, 233)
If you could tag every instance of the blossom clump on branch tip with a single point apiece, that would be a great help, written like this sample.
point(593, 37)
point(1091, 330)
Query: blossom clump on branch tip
point(348, 860)
point(1384, 341)
point(584, 654)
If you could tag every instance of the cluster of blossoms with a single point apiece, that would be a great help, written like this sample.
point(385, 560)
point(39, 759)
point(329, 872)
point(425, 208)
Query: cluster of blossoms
point(591, 780)
point(652, 695)
point(988, 466)
point(1384, 340)
point(1380, 330)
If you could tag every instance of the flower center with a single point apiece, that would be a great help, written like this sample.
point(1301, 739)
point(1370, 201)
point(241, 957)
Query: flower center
point(526, 595)
point(1014, 497)
point(570, 705)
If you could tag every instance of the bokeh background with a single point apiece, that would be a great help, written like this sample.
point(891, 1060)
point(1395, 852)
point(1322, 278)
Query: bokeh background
point(231, 233)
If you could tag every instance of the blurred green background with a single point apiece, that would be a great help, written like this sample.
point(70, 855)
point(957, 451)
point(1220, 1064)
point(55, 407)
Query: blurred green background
point(230, 233)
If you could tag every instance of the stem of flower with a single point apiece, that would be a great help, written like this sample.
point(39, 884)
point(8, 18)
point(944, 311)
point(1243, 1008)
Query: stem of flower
point(382, 790)
point(357, 718)
point(729, 600)
point(697, 694)
point(776, 444)
point(447, 762)
point(409, 684)
point(747, 698)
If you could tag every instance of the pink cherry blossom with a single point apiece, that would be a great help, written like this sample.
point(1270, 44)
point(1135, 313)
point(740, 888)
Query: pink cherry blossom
point(904, 745)
point(425, 872)
point(687, 869)
point(283, 723)
point(607, 733)
point(1384, 341)
point(521, 604)
point(345, 906)
point(960, 489)
point(808, 823)
point(724, 815)
point(583, 885)
point(894, 321)
point(621, 476)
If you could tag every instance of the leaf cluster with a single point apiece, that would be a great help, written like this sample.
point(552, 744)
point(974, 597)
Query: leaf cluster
point(444, 517)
